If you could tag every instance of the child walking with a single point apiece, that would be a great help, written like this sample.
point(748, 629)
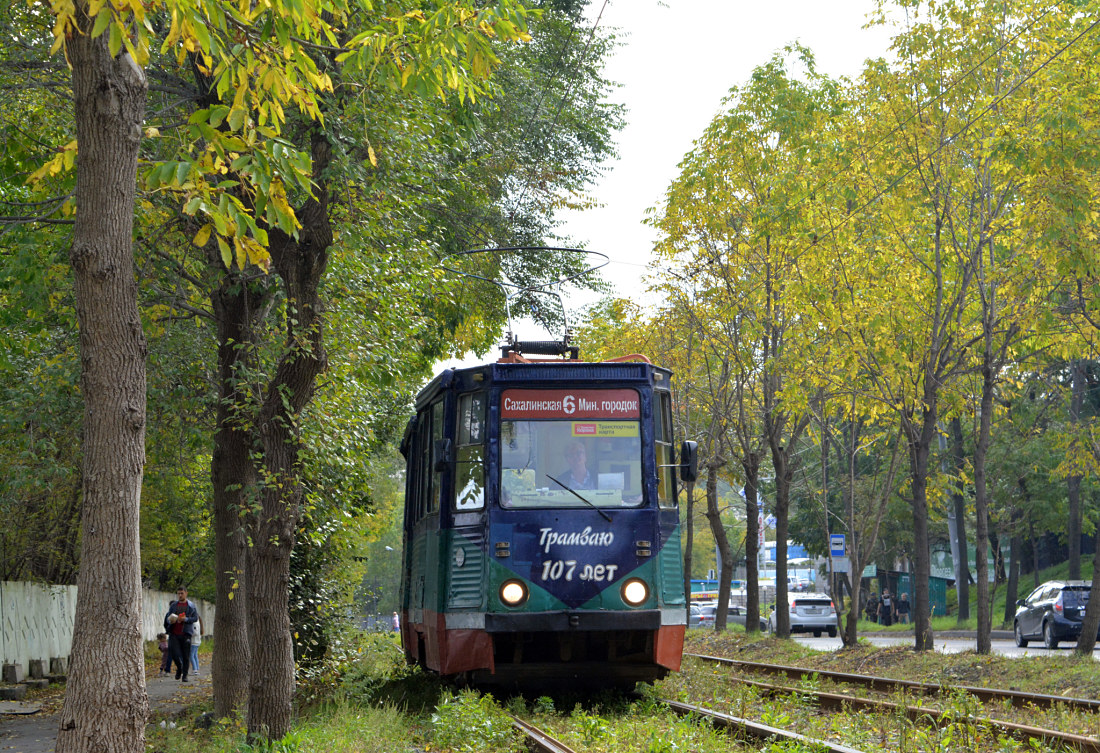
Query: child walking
point(165, 659)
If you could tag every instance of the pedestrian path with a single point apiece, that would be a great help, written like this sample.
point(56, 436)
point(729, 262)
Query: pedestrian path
point(31, 726)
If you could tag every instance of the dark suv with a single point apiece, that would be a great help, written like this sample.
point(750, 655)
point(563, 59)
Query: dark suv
point(1053, 612)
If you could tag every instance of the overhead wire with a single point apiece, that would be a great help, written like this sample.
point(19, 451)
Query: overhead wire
point(923, 105)
point(965, 127)
point(946, 142)
point(566, 96)
point(514, 204)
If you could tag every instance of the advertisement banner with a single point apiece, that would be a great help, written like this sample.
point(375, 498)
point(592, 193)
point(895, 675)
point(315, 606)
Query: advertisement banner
point(605, 428)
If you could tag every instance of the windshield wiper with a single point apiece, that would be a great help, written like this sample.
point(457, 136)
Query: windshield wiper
point(586, 500)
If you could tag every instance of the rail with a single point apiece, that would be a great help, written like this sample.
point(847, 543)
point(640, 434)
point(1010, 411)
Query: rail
point(755, 729)
point(539, 740)
point(1018, 698)
point(824, 699)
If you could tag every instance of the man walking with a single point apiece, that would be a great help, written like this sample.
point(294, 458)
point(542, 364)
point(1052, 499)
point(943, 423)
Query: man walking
point(180, 624)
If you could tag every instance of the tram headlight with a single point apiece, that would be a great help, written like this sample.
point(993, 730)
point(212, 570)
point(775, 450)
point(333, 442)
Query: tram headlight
point(513, 592)
point(635, 592)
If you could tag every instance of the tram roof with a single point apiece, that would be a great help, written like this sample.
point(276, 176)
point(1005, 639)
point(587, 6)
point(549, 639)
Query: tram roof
point(545, 373)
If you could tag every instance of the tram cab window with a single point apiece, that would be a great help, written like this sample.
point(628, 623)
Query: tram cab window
point(665, 469)
point(571, 463)
point(470, 468)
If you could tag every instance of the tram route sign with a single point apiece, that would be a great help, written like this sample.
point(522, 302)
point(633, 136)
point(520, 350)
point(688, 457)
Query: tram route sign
point(576, 404)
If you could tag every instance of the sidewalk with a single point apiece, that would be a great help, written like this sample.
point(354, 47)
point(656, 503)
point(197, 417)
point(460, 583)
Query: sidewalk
point(997, 635)
point(31, 727)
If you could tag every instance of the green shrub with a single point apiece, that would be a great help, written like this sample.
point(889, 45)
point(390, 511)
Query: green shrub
point(472, 723)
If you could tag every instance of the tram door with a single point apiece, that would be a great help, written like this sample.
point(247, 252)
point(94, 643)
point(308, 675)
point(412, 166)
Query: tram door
point(424, 491)
point(671, 560)
point(465, 559)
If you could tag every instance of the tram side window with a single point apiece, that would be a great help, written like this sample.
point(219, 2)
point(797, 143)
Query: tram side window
point(423, 464)
point(663, 436)
point(470, 469)
point(436, 488)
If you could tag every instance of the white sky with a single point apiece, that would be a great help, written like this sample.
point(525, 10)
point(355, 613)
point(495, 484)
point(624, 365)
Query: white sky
point(678, 60)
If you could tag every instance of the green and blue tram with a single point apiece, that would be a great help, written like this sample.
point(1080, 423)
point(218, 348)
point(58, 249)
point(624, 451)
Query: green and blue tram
point(541, 528)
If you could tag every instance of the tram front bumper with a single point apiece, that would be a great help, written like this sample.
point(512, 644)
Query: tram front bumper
point(570, 620)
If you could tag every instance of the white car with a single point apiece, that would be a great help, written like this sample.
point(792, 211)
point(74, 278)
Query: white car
point(810, 613)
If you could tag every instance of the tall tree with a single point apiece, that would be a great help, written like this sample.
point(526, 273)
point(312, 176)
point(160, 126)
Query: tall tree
point(109, 90)
point(750, 163)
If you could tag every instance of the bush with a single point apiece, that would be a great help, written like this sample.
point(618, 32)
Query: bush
point(473, 723)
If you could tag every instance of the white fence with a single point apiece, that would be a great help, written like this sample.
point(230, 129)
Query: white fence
point(36, 621)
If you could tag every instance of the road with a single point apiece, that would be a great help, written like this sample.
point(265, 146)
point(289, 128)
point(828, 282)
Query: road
point(946, 645)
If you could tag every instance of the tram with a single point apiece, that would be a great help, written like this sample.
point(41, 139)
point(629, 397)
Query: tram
point(541, 528)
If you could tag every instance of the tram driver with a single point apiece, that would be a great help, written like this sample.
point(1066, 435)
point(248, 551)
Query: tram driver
point(577, 475)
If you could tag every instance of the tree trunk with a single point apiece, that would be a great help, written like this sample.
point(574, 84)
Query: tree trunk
point(1034, 545)
point(1073, 483)
point(848, 634)
point(782, 525)
point(751, 465)
point(981, 509)
point(783, 465)
point(1013, 587)
point(919, 437)
point(725, 565)
point(238, 312)
point(301, 265)
point(1087, 640)
point(962, 580)
point(106, 705)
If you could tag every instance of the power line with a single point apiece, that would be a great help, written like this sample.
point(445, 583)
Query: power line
point(921, 106)
point(951, 139)
point(567, 96)
point(946, 142)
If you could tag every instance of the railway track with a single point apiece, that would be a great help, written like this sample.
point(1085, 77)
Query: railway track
point(748, 728)
point(840, 701)
point(539, 741)
point(1017, 698)
point(542, 742)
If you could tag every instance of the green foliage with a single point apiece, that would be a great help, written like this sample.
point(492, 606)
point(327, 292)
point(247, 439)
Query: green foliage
point(364, 669)
point(473, 722)
point(291, 742)
point(222, 164)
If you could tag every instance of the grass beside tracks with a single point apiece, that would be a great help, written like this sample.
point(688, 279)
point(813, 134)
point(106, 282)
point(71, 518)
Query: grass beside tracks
point(364, 700)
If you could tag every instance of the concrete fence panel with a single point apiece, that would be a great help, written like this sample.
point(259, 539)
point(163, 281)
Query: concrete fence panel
point(36, 620)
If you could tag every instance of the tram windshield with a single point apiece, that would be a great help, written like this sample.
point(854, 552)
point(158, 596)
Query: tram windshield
point(571, 462)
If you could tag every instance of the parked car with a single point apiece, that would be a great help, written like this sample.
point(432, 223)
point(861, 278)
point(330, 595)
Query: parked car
point(810, 613)
point(737, 614)
point(1053, 612)
point(794, 583)
point(708, 613)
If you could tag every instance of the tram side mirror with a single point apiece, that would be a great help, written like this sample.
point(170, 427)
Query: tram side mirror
point(444, 455)
point(689, 462)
